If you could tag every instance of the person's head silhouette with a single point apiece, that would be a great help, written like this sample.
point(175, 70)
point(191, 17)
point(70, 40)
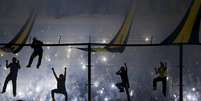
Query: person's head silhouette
point(161, 63)
point(14, 59)
point(61, 76)
point(122, 68)
point(34, 38)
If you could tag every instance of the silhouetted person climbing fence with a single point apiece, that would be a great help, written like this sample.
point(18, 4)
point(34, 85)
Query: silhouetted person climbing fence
point(162, 71)
point(38, 51)
point(14, 66)
point(60, 85)
point(123, 72)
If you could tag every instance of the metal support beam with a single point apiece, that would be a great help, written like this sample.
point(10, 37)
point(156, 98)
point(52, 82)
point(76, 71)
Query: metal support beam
point(181, 72)
point(89, 71)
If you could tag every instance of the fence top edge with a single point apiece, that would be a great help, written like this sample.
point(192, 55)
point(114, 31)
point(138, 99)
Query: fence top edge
point(105, 44)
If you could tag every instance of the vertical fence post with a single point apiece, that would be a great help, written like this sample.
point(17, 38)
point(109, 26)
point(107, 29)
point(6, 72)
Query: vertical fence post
point(89, 71)
point(181, 72)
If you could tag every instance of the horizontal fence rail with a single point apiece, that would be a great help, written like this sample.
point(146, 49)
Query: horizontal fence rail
point(105, 44)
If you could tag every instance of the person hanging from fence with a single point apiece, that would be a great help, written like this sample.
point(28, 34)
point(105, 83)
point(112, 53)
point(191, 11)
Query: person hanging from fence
point(162, 71)
point(124, 84)
point(14, 67)
point(38, 51)
point(60, 85)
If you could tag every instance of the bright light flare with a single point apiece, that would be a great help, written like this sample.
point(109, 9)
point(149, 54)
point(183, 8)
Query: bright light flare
point(131, 93)
point(48, 47)
point(101, 91)
point(191, 97)
point(106, 99)
point(104, 59)
point(21, 94)
point(113, 86)
point(104, 41)
point(49, 60)
point(96, 84)
point(1, 55)
point(4, 68)
point(193, 89)
point(68, 52)
point(30, 93)
point(84, 67)
point(38, 89)
point(147, 39)
point(69, 49)
point(16, 54)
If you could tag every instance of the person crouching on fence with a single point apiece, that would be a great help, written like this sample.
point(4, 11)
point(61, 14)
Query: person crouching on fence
point(60, 85)
point(162, 71)
point(38, 51)
point(12, 76)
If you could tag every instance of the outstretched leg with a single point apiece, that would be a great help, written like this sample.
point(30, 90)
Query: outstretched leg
point(164, 82)
point(33, 55)
point(155, 82)
point(14, 87)
point(120, 87)
point(66, 96)
point(6, 83)
point(127, 93)
point(39, 59)
point(52, 93)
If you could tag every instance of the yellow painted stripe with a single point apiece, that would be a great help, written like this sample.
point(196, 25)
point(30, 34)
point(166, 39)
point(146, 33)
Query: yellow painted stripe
point(186, 32)
point(22, 36)
point(100, 50)
point(1, 51)
point(125, 30)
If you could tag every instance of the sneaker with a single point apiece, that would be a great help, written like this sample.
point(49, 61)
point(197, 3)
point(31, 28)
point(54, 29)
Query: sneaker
point(37, 67)
point(3, 92)
point(164, 95)
point(154, 88)
point(28, 66)
point(121, 90)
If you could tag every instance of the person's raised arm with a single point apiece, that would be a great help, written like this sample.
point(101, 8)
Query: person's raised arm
point(166, 65)
point(7, 65)
point(32, 44)
point(55, 75)
point(126, 68)
point(118, 72)
point(65, 73)
point(18, 63)
point(156, 70)
point(41, 43)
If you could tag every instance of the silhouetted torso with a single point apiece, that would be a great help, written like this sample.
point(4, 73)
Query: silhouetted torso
point(36, 45)
point(162, 71)
point(61, 84)
point(14, 69)
point(123, 75)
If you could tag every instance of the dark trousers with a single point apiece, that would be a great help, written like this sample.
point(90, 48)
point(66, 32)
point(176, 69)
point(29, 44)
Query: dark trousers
point(8, 78)
point(59, 91)
point(33, 55)
point(164, 83)
point(121, 86)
